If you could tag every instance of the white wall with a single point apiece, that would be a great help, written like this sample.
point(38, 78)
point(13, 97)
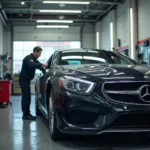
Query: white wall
point(7, 44)
point(30, 33)
point(123, 23)
point(120, 18)
point(143, 19)
point(1, 45)
point(98, 28)
point(88, 36)
point(105, 33)
point(22, 33)
point(103, 28)
point(1, 37)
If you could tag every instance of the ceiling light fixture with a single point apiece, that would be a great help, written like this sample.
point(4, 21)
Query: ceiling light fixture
point(131, 34)
point(97, 40)
point(111, 36)
point(66, 2)
point(22, 3)
point(57, 21)
point(61, 11)
point(61, 17)
point(52, 26)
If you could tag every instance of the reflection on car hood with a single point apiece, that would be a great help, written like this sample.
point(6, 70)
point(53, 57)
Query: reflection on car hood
point(108, 72)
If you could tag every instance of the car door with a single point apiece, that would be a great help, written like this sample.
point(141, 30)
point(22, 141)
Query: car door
point(42, 85)
point(50, 74)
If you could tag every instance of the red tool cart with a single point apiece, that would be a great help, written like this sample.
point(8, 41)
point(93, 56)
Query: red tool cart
point(5, 92)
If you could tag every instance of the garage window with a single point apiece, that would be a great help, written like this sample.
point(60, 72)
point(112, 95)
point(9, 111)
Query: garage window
point(23, 48)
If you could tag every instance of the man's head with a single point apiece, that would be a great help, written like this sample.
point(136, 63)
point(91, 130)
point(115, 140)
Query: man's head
point(37, 51)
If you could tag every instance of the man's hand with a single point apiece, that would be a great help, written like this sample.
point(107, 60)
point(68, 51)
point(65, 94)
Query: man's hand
point(45, 65)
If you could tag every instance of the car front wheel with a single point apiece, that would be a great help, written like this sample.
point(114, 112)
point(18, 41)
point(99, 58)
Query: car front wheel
point(54, 132)
point(37, 110)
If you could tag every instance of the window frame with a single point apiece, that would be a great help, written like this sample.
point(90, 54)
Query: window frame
point(51, 45)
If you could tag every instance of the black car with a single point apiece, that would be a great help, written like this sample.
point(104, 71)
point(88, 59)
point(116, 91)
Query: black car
point(90, 91)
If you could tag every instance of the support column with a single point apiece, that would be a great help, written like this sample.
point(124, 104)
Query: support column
point(1, 48)
point(133, 28)
point(98, 35)
point(113, 30)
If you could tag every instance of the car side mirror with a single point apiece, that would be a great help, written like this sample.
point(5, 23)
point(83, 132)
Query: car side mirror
point(43, 71)
point(143, 62)
point(48, 67)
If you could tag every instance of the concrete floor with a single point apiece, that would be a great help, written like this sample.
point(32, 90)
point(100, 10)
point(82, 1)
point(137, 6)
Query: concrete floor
point(16, 134)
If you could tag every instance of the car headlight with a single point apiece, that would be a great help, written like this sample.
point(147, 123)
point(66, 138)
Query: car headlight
point(77, 85)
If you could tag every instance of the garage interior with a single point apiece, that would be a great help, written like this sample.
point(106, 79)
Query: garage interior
point(113, 25)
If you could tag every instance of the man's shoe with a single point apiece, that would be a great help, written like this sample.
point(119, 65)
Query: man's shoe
point(29, 117)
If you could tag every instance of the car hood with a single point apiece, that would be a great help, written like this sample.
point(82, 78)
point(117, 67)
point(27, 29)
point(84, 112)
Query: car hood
point(108, 72)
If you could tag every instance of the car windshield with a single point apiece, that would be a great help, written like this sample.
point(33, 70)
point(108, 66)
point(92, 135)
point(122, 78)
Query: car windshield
point(78, 57)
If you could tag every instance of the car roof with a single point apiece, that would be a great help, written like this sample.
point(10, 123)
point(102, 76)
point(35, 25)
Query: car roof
point(81, 49)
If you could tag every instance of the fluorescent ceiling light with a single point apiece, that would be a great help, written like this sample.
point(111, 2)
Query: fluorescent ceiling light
point(111, 37)
point(57, 21)
point(84, 57)
point(83, 51)
point(22, 3)
point(52, 26)
point(61, 11)
point(71, 57)
point(94, 58)
point(66, 2)
point(131, 33)
point(97, 40)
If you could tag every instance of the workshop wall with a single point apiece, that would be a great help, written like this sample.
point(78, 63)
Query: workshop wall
point(123, 24)
point(88, 36)
point(143, 19)
point(1, 46)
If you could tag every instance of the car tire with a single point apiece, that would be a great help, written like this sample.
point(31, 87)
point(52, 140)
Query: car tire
point(37, 110)
point(52, 121)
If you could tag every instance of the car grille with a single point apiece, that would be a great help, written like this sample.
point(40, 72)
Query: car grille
point(124, 92)
point(132, 120)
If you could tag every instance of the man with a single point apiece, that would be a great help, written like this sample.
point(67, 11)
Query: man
point(29, 65)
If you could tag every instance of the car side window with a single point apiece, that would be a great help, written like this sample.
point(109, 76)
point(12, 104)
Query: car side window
point(117, 60)
point(49, 62)
point(55, 60)
point(120, 60)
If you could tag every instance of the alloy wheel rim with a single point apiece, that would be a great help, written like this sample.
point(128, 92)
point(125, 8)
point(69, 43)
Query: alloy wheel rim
point(51, 116)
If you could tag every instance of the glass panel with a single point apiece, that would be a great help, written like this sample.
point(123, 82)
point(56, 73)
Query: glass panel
point(42, 55)
point(41, 60)
point(75, 45)
point(92, 57)
point(18, 55)
point(25, 53)
point(49, 48)
point(24, 48)
point(17, 66)
point(17, 46)
point(16, 71)
point(29, 45)
point(48, 54)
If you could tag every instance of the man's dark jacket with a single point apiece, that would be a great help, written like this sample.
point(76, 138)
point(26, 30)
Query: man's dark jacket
point(29, 65)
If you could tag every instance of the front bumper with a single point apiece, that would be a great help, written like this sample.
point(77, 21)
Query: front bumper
point(95, 115)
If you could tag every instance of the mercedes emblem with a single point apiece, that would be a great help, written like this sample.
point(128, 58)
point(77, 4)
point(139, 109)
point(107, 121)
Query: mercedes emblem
point(145, 93)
